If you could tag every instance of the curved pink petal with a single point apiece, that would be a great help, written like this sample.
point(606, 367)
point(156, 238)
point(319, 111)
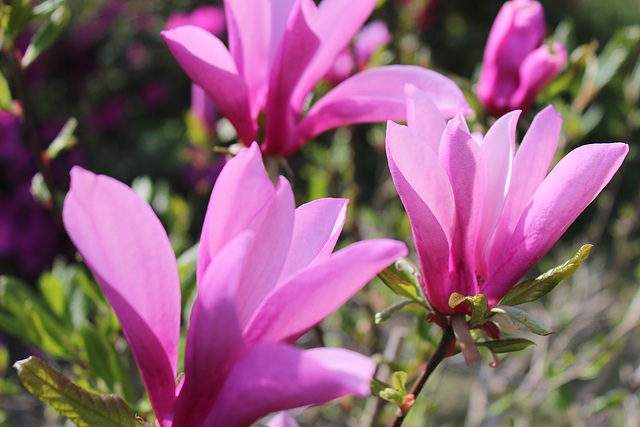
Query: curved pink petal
point(424, 117)
point(242, 189)
point(498, 147)
point(427, 196)
point(316, 228)
point(124, 244)
point(568, 189)
point(298, 46)
point(530, 167)
point(214, 339)
point(273, 377)
point(335, 23)
point(283, 419)
point(208, 63)
point(305, 299)
point(377, 95)
point(273, 227)
point(464, 162)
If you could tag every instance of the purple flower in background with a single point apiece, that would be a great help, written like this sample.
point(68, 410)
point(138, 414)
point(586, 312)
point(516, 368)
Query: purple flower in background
point(209, 18)
point(266, 274)
point(516, 64)
point(481, 213)
point(278, 51)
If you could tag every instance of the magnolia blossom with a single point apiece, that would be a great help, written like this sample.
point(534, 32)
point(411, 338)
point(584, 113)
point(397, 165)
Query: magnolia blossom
point(278, 51)
point(481, 213)
point(266, 274)
point(516, 64)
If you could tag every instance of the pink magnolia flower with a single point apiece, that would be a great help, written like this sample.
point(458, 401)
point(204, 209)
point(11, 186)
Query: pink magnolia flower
point(210, 18)
point(483, 214)
point(282, 420)
point(278, 51)
point(265, 276)
point(516, 65)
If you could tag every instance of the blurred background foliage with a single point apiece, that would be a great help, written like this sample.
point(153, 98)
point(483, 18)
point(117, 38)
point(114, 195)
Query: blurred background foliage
point(110, 70)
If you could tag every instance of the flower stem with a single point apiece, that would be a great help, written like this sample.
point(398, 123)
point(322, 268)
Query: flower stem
point(30, 134)
point(433, 362)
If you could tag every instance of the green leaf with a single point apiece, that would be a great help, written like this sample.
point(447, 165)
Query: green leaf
point(532, 290)
point(403, 279)
point(80, 406)
point(377, 386)
point(534, 325)
point(46, 34)
point(386, 314)
point(478, 303)
point(5, 95)
point(506, 345)
point(19, 17)
point(399, 379)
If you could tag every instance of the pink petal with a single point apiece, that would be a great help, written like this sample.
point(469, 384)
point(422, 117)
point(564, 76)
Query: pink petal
point(373, 36)
point(316, 228)
point(335, 23)
point(575, 181)
point(426, 193)
point(208, 63)
point(377, 95)
point(273, 377)
point(283, 419)
point(498, 147)
point(124, 244)
point(298, 46)
point(530, 167)
point(424, 117)
point(214, 339)
point(242, 189)
point(464, 162)
point(273, 227)
point(308, 297)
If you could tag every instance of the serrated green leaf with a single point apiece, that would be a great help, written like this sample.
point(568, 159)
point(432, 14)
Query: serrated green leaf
point(527, 319)
point(80, 406)
point(5, 95)
point(46, 34)
point(506, 345)
point(532, 290)
point(377, 386)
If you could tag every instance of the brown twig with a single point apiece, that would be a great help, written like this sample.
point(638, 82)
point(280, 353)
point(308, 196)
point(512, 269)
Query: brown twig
point(437, 357)
point(31, 137)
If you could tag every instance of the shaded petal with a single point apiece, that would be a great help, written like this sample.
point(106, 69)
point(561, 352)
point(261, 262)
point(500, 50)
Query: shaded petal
point(214, 339)
point(424, 117)
point(568, 189)
point(306, 298)
point(498, 147)
point(208, 63)
point(427, 196)
point(377, 95)
point(272, 377)
point(298, 46)
point(241, 191)
point(530, 166)
point(273, 227)
point(316, 228)
point(126, 247)
point(335, 23)
point(464, 162)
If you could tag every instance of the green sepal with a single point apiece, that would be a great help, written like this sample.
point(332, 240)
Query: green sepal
point(65, 139)
point(506, 345)
point(534, 289)
point(527, 319)
point(404, 280)
point(80, 406)
point(478, 303)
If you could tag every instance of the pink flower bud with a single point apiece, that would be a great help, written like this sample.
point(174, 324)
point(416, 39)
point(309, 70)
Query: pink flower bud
point(516, 64)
